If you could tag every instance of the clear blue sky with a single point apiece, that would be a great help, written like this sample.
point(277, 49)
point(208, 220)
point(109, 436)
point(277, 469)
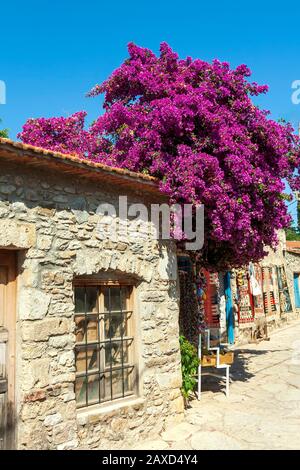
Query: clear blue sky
point(53, 52)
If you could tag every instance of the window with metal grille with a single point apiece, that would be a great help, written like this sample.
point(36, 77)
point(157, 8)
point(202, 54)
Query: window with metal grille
point(105, 369)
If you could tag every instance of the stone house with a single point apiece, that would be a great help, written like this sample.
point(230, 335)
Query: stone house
point(89, 351)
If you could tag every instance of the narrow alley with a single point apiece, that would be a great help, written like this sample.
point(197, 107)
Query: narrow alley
point(263, 410)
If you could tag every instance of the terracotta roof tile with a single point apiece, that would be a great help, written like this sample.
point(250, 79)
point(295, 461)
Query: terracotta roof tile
point(37, 154)
point(293, 243)
point(293, 246)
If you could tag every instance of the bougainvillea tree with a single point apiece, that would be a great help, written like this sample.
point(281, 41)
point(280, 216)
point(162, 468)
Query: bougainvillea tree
point(193, 125)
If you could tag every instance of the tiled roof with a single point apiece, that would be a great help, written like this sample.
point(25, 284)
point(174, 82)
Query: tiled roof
point(293, 243)
point(293, 246)
point(40, 157)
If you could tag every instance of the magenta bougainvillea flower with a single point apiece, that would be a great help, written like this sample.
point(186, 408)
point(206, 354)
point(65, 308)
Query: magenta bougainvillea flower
point(194, 126)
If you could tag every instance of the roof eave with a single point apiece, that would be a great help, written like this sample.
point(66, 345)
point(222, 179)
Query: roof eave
point(41, 158)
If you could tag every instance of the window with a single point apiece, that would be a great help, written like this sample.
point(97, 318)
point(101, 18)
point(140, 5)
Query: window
point(105, 369)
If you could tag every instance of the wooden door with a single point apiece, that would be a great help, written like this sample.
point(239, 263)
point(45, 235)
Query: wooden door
point(7, 348)
point(297, 290)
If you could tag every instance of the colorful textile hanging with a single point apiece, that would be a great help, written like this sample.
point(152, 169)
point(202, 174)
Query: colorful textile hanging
point(211, 303)
point(229, 306)
point(199, 298)
point(284, 294)
point(270, 290)
point(257, 295)
point(245, 307)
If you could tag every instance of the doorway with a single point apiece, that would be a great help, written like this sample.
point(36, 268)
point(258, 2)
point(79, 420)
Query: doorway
point(7, 348)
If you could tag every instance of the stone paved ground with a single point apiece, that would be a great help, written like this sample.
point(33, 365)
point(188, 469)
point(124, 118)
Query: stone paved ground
point(263, 410)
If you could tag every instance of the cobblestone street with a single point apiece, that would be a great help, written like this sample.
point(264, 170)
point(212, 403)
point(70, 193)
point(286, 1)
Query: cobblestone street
point(263, 410)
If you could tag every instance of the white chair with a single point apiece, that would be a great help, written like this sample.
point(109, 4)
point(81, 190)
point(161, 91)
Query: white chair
point(217, 364)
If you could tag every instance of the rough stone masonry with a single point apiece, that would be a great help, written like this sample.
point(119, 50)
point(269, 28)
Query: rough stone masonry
point(50, 219)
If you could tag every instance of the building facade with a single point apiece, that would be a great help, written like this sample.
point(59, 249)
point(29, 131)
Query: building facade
point(265, 300)
point(89, 351)
point(244, 304)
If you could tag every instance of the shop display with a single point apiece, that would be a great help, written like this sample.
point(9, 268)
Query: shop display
point(244, 297)
point(256, 289)
point(284, 294)
point(270, 294)
point(211, 301)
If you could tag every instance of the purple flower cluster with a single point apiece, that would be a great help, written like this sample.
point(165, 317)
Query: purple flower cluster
point(194, 126)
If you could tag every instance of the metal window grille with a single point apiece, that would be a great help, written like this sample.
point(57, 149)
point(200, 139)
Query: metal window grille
point(105, 370)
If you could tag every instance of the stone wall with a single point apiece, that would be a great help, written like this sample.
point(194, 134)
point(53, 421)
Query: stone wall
point(52, 220)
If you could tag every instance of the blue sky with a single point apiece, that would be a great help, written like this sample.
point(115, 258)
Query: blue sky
point(53, 52)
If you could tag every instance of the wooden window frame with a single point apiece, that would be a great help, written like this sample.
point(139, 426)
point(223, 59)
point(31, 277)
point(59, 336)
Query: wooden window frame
point(103, 368)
